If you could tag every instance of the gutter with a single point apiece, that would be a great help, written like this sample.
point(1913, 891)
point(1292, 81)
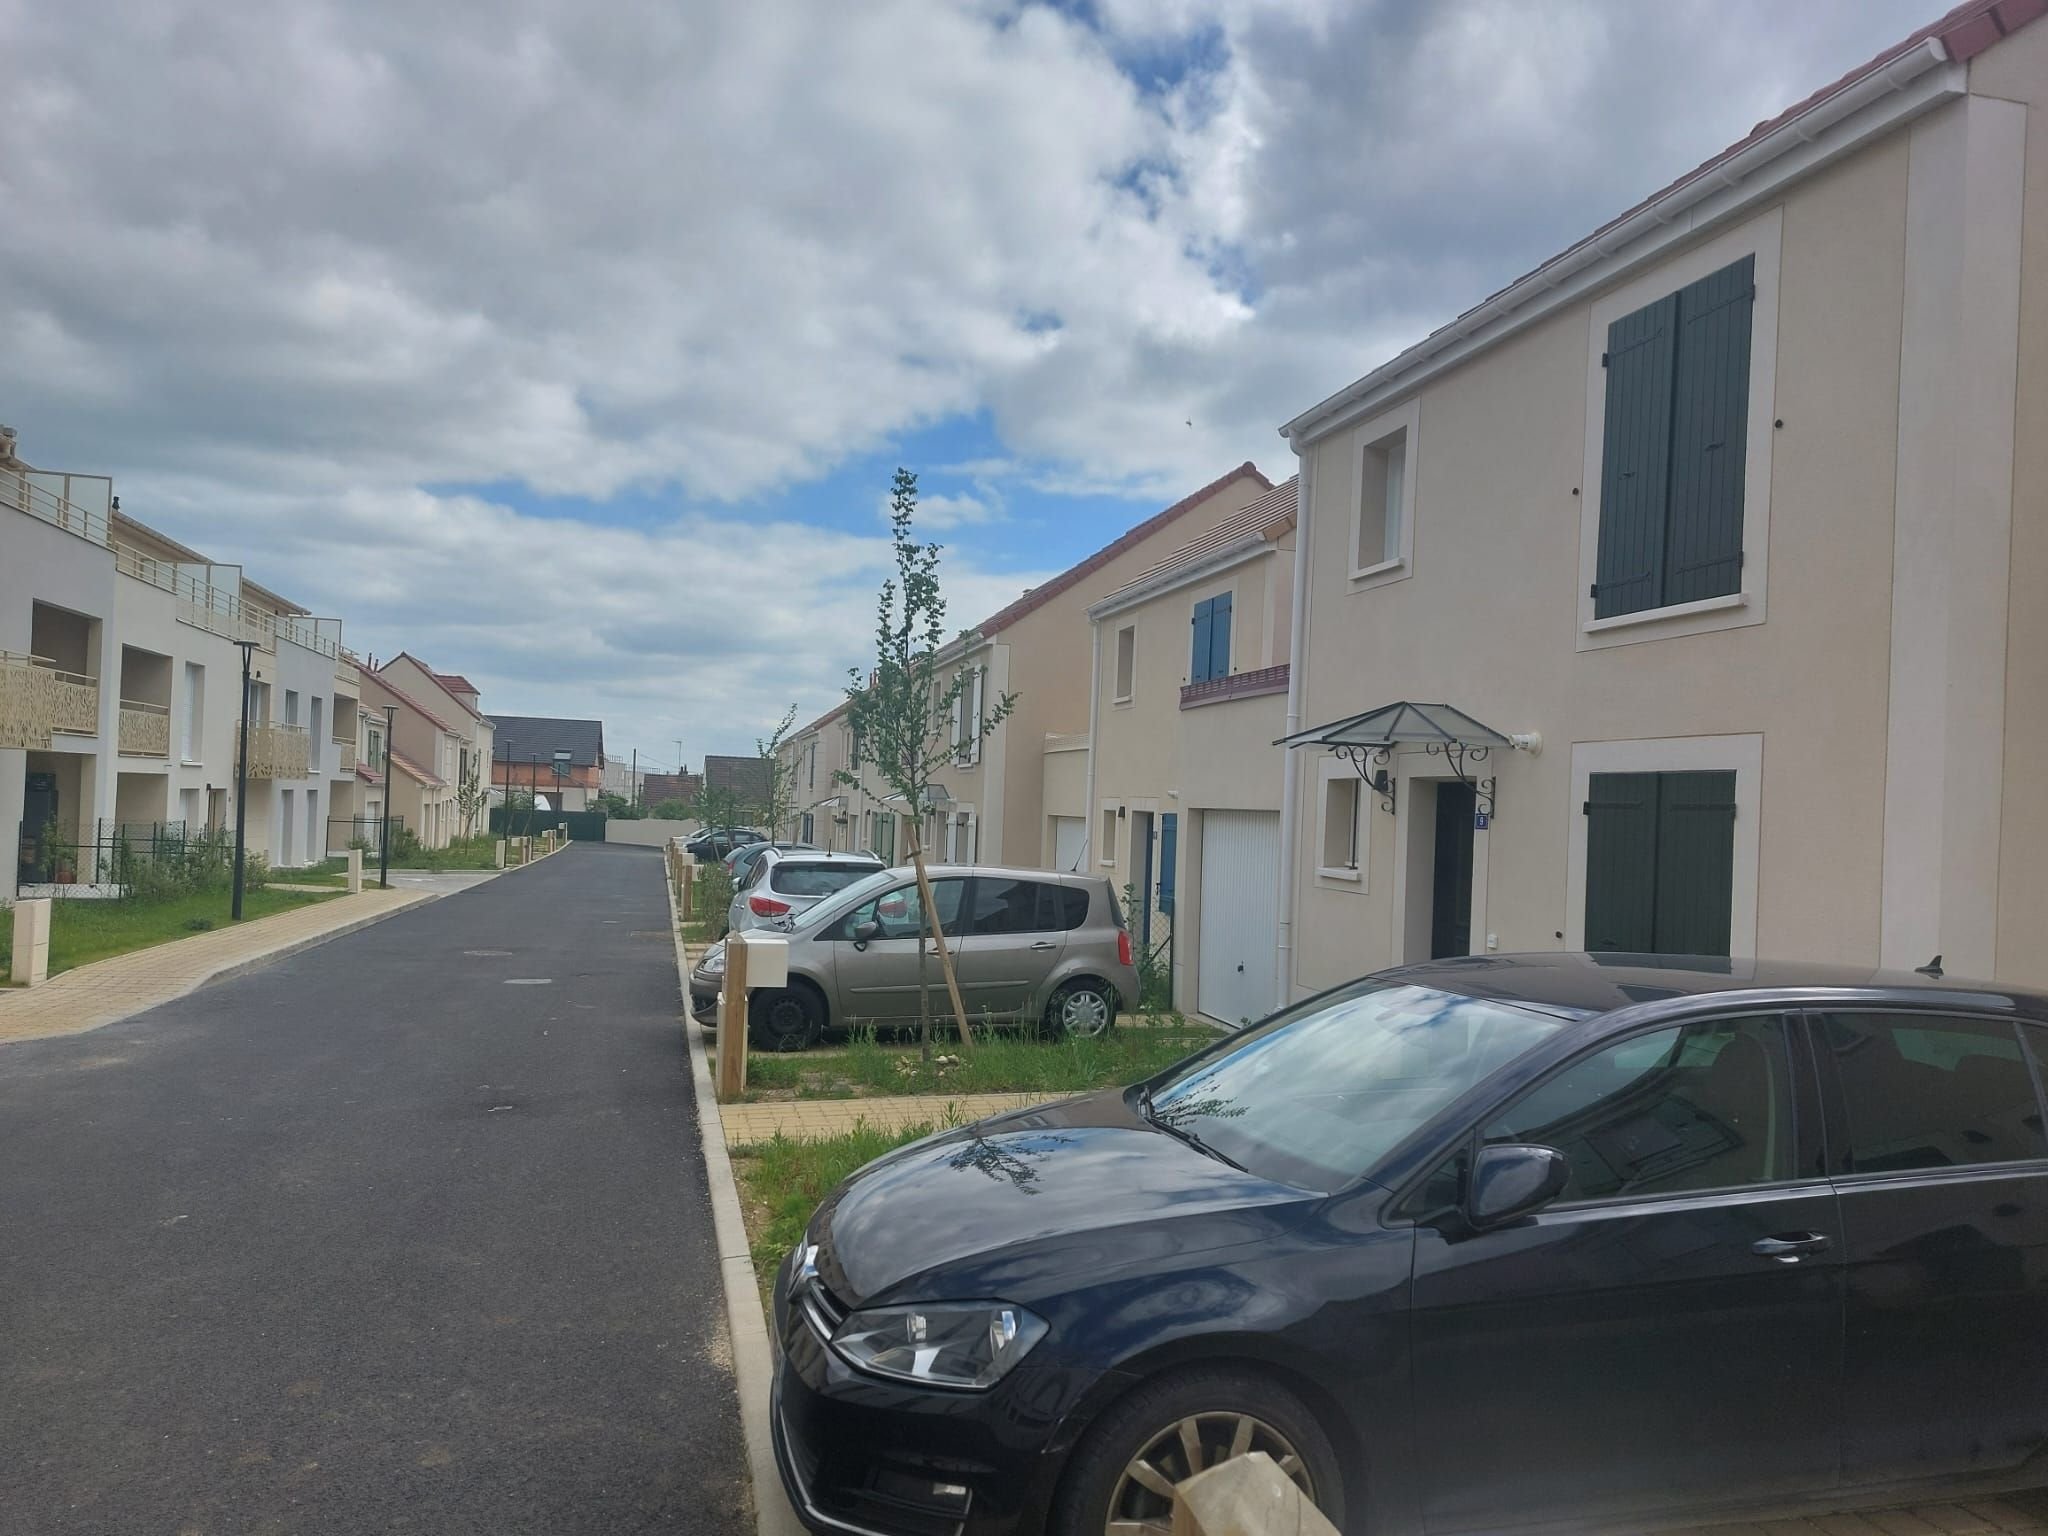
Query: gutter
point(1182, 575)
point(1290, 766)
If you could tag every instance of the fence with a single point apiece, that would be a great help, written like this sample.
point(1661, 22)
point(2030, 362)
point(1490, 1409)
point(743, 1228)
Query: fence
point(117, 851)
point(517, 821)
point(347, 831)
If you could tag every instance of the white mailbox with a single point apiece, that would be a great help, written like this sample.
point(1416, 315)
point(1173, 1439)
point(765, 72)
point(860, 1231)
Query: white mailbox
point(767, 962)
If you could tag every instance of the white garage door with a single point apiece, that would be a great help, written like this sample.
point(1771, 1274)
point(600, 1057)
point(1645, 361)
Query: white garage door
point(1240, 914)
point(1069, 833)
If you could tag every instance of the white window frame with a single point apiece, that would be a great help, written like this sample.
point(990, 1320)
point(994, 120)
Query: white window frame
point(1403, 421)
point(1124, 689)
point(1106, 819)
point(974, 716)
point(1762, 238)
point(1674, 754)
point(1332, 770)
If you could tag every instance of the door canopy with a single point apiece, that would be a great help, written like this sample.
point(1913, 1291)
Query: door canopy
point(1367, 742)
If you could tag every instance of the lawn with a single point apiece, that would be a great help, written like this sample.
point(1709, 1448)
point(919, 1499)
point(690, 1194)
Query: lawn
point(782, 1181)
point(332, 872)
point(464, 853)
point(999, 1063)
point(82, 931)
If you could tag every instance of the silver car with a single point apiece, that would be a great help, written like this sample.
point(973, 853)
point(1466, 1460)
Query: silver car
point(1029, 945)
point(783, 882)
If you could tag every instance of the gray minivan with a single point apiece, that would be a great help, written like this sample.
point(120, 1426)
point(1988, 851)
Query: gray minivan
point(1029, 945)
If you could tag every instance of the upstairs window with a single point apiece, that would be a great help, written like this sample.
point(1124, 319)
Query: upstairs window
point(1210, 654)
point(1675, 446)
point(1382, 482)
point(1126, 663)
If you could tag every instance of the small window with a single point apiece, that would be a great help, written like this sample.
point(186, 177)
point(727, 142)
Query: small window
point(1341, 797)
point(1926, 1092)
point(900, 912)
point(1382, 487)
point(1701, 1106)
point(1209, 653)
point(817, 879)
point(1126, 662)
point(1062, 907)
point(1106, 849)
point(1005, 906)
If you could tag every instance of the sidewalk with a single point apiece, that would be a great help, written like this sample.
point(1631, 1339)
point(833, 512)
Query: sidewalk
point(108, 991)
point(2020, 1512)
point(811, 1119)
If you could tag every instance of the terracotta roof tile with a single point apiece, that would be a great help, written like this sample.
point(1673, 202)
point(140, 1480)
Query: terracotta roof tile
point(1271, 516)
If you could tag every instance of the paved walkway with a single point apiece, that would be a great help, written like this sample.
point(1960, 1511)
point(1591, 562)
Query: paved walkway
point(107, 991)
point(1978, 1517)
point(810, 1119)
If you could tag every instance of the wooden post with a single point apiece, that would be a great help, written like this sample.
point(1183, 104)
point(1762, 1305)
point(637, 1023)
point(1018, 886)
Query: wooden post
point(689, 897)
point(355, 871)
point(924, 894)
point(31, 966)
point(1245, 1496)
point(732, 1021)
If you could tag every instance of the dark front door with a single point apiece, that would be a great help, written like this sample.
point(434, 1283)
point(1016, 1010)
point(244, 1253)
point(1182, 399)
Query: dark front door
point(1668, 1335)
point(1450, 917)
point(1141, 849)
point(38, 810)
point(1942, 1166)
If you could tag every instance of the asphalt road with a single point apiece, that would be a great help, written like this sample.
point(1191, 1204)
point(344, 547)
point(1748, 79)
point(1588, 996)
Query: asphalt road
point(407, 1233)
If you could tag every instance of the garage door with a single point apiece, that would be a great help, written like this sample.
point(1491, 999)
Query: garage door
point(1240, 914)
point(1069, 834)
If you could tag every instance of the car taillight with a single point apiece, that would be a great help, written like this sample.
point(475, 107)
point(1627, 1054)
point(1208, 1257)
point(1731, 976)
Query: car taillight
point(1123, 946)
point(766, 906)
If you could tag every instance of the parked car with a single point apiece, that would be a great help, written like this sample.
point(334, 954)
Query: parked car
point(782, 882)
point(1028, 944)
point(739, 862)
point(1569, 1242)
point(717, 842)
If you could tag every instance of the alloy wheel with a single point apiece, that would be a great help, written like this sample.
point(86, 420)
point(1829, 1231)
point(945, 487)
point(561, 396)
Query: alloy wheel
point(1084, 1012)
point(1143, 1501)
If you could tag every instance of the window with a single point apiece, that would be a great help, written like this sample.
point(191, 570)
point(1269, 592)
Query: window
point(805, 835)
point(375, 757)
point(811, 767)
point(1700, 1106)
point(1674, 446)
point(815, 879)
point(900, 912)
point(1108, 843)
point(1926, 1092)
point(1010, 906)
point(1343, 796)
point(191, 737)
point(1660, 859)
point(1126, 663)
point(1382, 482)
point(291, 706)
point(967, 719)
point(1210, 654)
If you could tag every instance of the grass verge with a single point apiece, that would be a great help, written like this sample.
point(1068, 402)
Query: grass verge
point(83, 931)
point(332, 872)
point(1000, 1063)
point(464, 853)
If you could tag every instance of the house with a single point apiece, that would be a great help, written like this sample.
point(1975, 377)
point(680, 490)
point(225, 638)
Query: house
point(120, 666)
point(411, 772)
point(561, 760)
point(833, 815)
point(1191, 667)
point(660, 788)
point(744, 777)
point(1683, 595)
point(454, 699)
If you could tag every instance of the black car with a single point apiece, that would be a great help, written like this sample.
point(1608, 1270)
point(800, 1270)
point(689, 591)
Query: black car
point(1563, 1242)
point(714, 843)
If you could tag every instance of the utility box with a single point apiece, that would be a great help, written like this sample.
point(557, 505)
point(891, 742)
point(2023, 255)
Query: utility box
point(32, 943)
point(767, 961)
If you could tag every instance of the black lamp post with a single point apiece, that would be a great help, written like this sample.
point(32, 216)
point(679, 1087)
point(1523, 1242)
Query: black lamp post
point(384, 826)
point(242, 782)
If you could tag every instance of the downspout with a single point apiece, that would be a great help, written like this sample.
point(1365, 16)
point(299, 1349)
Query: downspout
point(1094, 703)
point(1290, 770)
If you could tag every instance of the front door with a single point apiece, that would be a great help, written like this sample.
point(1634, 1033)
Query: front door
point(1450, 914)
point(880, 983)
point(38, 811)
point(1668, 1334)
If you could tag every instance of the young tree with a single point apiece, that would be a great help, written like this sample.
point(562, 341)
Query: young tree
point(915, 711)
point(715, 807)
point(779, 807)
point(470, 796)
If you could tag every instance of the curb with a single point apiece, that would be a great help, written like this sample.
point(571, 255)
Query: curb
point(753, 1365)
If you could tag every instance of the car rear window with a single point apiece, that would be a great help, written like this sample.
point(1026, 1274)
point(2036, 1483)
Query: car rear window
point(1063, 906)
point(793, 879)
point(1934, 1092)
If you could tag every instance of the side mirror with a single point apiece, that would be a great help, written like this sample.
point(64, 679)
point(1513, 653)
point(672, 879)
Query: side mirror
point(863, 932)
point(1513, 1180)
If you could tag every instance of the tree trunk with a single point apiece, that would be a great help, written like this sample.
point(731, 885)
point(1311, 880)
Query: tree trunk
point(931, 917)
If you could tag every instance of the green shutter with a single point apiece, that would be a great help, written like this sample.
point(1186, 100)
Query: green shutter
point(1635, 459)
point(1695, 862)
point(1709, 435)
point(1621, 861)
point(1198, 658)
point(1219, 635)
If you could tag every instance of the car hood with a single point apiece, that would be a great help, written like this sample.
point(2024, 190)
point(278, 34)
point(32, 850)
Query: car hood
point(1023, 1203)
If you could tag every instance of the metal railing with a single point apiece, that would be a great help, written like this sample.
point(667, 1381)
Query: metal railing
point(278, 752)
point(145, 729)
point(119, 853)
point(348, 831)
point(24, 494)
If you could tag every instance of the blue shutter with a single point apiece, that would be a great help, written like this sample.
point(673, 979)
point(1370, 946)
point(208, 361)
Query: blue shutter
point(1219, 635)
point(1198, 659)
point(1635, 460)
point(1169, 847)
point(1709, 435)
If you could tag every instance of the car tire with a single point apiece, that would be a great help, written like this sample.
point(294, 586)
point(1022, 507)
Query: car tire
point(1082, 1008)
point(1223, 1403)
point(785, 1019)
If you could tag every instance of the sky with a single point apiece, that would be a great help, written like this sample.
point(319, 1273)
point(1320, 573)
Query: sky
point(573, 348)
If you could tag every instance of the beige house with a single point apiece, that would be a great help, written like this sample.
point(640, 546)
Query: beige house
point(1191, 667)
point(453, 699)
point(1712, 553)
point(410, 772)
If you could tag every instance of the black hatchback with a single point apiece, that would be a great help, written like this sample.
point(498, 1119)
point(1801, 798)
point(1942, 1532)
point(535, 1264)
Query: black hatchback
point(1490, 1244)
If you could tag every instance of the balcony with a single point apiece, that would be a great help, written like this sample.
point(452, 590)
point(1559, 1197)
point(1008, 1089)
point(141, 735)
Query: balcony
point(78, 504)
point(278, 752)
point(347, 670)
point(1239, 685)
point(37, 700)
point(145, 730)
point(344, 758)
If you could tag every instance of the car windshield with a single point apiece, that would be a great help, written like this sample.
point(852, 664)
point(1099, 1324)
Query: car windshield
point(817, 879)
point(851, 896)
point(1316, 1096)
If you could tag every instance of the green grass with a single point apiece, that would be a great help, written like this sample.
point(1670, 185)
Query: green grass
point(782, 1182)
point(82, 931)
point(464, 853)
point(1000, 1063)
point(332, 872)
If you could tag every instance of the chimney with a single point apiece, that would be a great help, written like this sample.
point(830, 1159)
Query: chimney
point(8, 440)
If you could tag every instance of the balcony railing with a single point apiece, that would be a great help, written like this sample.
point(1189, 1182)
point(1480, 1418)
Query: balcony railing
point(278, 752)
point(1239, 685)
point(344, 758)
point(38, 699)
point(24, 494)
point(347, 668)
point(145, 729)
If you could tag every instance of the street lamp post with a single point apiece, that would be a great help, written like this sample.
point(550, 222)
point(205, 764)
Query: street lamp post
point(384, 825)
point(242, 782)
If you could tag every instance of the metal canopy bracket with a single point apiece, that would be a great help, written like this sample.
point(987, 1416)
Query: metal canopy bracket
point(1367, 742)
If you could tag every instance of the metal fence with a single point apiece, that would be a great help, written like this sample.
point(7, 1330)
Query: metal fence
point(517, 821)
point(368, 831)
point(117, 852)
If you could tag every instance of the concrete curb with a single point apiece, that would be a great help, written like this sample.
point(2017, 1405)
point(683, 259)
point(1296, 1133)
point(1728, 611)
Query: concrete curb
point(753, 1362)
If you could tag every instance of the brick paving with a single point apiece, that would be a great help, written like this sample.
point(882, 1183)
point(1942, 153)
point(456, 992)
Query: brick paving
point(811, 1119)
point(107, 991)
point(1974, 1517)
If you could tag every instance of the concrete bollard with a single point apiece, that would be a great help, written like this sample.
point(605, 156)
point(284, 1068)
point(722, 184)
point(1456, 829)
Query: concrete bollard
point(32, 942)
point(501, 853)
point(355, 871)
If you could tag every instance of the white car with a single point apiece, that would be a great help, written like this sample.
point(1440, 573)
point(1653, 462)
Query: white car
point(784, 881)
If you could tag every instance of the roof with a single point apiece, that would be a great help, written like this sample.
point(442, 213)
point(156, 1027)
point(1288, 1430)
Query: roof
point(436, 676)
point(1270, 517)
point(541, 736)
point(746, 777)
point(1958, 36)
point(406, 699)
point(413, 770)
point(1044, 593)
point(122, 520)
point(455, 682)
point(283, 605)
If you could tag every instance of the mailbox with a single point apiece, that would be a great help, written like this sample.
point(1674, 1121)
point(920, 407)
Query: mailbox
point(767, 962)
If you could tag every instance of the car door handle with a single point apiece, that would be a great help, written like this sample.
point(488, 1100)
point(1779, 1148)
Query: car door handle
point(1045, 944)
point(1789, 1247)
